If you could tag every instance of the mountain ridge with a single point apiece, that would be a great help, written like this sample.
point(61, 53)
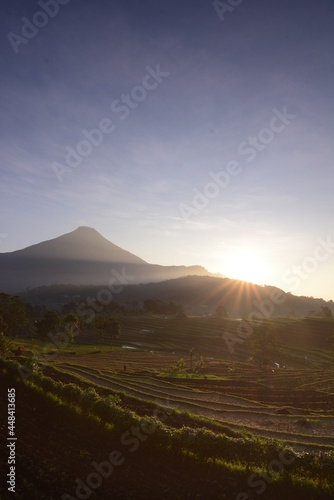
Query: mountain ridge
point(80, 257)
point(59, 247)
point(199, 295)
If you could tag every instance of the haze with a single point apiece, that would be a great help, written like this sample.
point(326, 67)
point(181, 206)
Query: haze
point(212, 142)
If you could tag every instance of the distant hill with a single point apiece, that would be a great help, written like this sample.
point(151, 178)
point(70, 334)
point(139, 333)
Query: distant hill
point(81, 257)
point(81, 263)
point(200, 295)
point(203, 294)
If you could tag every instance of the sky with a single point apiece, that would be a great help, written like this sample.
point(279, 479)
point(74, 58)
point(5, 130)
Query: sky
point(186, 132)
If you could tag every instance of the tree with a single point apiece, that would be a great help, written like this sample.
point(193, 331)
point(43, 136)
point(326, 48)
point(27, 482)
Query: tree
point(160, 307)
point(3, 325)
point(13, 312)
point(191, 352)
point(107, 327)
point(132, 306)
point(5, 344)
point(71, 322)
point(221, 312)
point(49, 323)
point(326, 312)
point(265, 342)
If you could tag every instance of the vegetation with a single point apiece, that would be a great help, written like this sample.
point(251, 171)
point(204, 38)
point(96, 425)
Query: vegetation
point(232, 417)
point(160, 307)
point(49, 323)
point(5, 345)
point(265, 342)
point(245, 456)
point(107, 327)
point(13, 314)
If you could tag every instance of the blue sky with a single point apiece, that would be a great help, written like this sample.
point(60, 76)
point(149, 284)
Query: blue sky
point(147, 185)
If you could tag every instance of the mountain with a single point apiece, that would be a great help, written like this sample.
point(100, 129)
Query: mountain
point(81, 257)
point(199, 295)
point(83, 244)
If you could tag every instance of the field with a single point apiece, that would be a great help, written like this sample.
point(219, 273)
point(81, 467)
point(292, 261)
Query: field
point(213, 410)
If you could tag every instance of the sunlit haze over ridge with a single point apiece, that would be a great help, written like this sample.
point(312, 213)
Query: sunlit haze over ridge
point(183, 134)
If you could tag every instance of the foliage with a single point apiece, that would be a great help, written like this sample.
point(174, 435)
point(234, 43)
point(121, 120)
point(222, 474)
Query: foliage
point(5, 345)
point(88, 398)
point(179, 366)
point(3, 325)
point(112, 400)
point(326, 312)
point(71, 322)
point(221, 312)
point(31, 364)
point(49, 323)
point(107, 327)
point(13, 313)
point(199, 444)
point(191, 352)
point(160, 307)
point(264, 342)
point(72, 393)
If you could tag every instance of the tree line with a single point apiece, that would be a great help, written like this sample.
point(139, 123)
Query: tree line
point(23, 320)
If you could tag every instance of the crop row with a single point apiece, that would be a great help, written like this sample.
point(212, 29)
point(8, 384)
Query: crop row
point(203, 443)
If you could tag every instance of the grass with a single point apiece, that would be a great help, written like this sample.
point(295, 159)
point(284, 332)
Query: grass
point(185, 375)
point(181, 425)
point(171, 339)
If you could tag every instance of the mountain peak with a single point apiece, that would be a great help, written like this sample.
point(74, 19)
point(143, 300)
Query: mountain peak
point(82, 244)
point(85, 229)
point(82, 257)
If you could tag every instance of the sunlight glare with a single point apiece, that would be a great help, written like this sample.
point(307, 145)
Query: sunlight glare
point(247, 266)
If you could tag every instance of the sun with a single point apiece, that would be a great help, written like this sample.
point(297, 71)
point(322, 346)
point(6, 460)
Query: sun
point(246, 266)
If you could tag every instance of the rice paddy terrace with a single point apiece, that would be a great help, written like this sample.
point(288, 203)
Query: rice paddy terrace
point(213, 409)
point(152, 362)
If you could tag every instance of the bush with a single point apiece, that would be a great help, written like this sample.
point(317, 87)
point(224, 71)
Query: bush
point(88, 398)
point(46, 383)
point(72, 393)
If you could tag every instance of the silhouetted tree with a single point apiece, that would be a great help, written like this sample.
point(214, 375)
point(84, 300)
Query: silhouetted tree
point(221, 312)
point(49, 323)
point(71, 322)
point(3, 325)
point(13, 312)
point(264, 342)
point(106, 327)
point(191, 352)
point(160, 307)
point(326, 312)
point(5, 345)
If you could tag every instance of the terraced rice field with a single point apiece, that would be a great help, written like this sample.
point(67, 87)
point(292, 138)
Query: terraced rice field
point(255, 405)
point(295, 404)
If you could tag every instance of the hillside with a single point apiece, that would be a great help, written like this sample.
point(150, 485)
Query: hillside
point(82, 257)
point(199, 295)
point(81, 263)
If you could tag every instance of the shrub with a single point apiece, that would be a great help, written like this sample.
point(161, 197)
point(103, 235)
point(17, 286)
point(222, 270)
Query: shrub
point(89, 397)
point(72, 393)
